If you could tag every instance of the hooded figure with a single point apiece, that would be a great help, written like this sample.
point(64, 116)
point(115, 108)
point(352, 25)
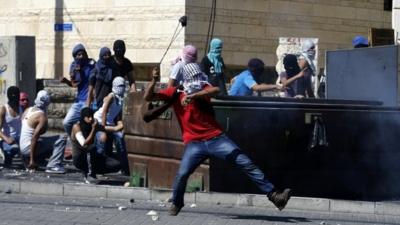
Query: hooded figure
point(308, 53)
point(42, 100)
point(193, 78)
point(214, 55)
point(103, 66)
point(189, 54)
point(79, 61)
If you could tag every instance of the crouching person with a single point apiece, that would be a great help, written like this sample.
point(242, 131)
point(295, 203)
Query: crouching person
point(34, 148)
point(84, 155)
point(110, 117)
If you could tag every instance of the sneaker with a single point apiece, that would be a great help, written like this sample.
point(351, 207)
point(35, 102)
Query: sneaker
point(174, 210)
point(55, 169)
point(90, 180)
point(280, 198)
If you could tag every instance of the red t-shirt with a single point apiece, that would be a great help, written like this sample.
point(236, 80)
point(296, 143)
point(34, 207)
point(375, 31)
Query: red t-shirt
point(196, 120)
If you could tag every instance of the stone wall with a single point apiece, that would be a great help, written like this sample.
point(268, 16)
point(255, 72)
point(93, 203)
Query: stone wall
point(249, 28)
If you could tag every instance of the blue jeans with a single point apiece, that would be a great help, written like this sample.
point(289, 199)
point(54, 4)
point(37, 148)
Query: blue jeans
point(49, 145)
point(73, 115)
point(104, 148)
point(220, 147)
point(9, 151)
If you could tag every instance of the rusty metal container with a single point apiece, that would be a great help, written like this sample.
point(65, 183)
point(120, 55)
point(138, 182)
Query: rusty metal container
point(155, 149)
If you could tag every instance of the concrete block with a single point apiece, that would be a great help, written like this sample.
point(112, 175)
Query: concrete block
point(41, 188)
point(387, 208)
point(128, 193)
point(216, 198)
point(85, 190)
point(352, 206)
point(10, 185)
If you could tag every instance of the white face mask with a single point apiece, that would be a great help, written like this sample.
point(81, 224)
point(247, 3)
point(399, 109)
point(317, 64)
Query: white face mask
point(192, 87)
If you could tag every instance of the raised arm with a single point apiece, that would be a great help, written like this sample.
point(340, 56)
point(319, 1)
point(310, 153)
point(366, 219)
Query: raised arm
point(149, 94)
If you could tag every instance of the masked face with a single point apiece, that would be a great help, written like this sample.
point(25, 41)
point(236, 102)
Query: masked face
point(119, 48)
point(13, 95)
point(42, 100)
point(119, 86)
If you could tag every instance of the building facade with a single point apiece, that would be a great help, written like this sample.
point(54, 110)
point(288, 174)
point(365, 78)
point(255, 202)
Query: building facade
point(249, 28)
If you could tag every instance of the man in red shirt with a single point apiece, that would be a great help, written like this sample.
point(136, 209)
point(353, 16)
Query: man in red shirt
point(203, 137)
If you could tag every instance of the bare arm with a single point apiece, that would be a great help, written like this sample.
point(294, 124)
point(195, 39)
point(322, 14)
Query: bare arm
point(39, 129)
point(7, 139)
point(90, 96)
point(115, 128)
point(131, 78)
point(286, 82)
point(149, 94)
point(171, 83)
point(265, 87)
point(106, 106)
point(206, 92)
point(76, 129)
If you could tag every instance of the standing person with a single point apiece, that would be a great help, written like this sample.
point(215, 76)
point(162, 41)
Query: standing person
point(84, 155)
point(110, 117)
point(246, 83)
point(79, 71)
point(203, 138)
point(35, 148)
point(122, 66)
point(23, 101)
point(213, 65)
point(10, 123)
point(188, 55)
point(293, 77)
point(306, 63)
point(100, 83)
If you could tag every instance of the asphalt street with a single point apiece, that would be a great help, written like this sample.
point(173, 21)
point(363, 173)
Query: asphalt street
point(19, 209)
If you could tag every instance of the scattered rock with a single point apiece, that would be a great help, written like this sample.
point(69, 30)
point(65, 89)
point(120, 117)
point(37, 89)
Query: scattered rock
point(127, 184)
point(8, 191)
point(120, 208)
point(132, 200)
point(193, 205)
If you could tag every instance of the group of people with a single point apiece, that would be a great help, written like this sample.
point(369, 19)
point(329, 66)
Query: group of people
point(94, 121)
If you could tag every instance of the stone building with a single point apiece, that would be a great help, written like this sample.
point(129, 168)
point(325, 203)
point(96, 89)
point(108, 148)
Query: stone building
point(249, 28)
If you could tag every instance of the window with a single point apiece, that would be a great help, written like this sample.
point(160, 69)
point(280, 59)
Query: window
point(387, 5)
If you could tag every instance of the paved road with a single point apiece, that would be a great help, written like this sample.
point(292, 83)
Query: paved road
point(17, 209)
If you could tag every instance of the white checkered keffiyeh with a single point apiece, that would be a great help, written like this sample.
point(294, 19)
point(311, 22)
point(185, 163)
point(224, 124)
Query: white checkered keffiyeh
point(193, 78)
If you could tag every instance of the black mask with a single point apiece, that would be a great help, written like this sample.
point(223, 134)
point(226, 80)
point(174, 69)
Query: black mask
point(291, 66)
point(85, 127)
point(119, 48)
point(13, 96)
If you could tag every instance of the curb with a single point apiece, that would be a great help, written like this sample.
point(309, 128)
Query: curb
point(104, 191)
